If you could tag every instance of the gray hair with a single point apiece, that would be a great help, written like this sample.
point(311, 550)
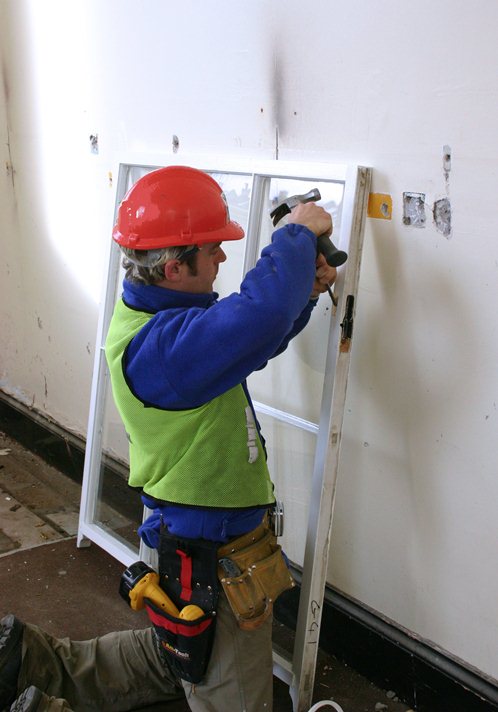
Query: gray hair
point(146, 266)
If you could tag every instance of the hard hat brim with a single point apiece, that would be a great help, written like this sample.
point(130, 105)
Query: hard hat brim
point(231, 231)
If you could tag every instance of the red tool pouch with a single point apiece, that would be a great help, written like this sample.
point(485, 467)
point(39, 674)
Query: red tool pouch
point(186, 645)
point(188, 574)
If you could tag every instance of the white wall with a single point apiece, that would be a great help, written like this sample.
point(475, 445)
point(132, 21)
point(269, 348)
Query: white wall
point(385, 84)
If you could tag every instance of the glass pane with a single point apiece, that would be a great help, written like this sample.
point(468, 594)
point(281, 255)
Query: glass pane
point(119, 509)
point(294, 381)
point(237, 189)
point(291, 454)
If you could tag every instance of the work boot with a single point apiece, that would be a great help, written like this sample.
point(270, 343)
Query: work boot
point(28, 700)
point(34, 700)
point(11, 632)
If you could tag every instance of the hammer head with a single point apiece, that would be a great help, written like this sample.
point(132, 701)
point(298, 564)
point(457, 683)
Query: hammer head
point(289, 203)
point(326, 247)
point(309, 197)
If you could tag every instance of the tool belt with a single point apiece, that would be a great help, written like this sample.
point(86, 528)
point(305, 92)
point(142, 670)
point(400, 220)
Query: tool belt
point(253, 573)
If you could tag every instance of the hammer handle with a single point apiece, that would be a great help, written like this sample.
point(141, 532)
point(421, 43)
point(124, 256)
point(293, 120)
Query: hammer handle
point(326, 247)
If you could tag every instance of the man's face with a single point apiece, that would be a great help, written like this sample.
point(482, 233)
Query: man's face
point(208, 259)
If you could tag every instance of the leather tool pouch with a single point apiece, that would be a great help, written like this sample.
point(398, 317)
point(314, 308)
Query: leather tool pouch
point(253, 573)
point(188, 574)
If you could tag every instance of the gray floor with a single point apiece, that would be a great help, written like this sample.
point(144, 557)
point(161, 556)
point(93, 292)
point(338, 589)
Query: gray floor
point(47, 580)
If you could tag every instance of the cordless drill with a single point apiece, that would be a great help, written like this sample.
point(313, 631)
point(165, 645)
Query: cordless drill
point(139, 581)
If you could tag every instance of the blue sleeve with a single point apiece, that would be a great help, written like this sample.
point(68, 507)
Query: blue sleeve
point(185, 357)
point(297, 327)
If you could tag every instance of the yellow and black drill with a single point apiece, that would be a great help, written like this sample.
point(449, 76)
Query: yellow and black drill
point(140, 581)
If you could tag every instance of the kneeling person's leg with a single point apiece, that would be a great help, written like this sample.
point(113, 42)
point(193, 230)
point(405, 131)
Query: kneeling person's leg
point(239, 676)
point(115, 672)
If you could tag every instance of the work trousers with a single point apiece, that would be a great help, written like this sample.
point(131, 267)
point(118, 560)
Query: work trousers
point(122, 671)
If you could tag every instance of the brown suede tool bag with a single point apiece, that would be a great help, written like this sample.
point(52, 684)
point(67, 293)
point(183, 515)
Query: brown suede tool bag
point(253, 572)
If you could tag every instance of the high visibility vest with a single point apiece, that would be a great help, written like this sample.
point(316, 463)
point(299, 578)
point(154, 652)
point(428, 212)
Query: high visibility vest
point(209, 456)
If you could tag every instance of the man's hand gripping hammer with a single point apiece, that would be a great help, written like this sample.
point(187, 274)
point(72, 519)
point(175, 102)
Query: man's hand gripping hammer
point(325, 246)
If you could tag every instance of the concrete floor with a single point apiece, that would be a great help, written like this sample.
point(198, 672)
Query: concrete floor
point(45, 579)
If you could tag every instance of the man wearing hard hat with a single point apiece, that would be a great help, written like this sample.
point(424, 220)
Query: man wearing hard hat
point(179, 358)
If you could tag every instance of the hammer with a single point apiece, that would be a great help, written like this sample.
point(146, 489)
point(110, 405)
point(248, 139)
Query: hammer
point(325, 246)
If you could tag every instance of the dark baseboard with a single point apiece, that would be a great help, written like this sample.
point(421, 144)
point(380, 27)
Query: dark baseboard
point(426, 678)
point(66, 452)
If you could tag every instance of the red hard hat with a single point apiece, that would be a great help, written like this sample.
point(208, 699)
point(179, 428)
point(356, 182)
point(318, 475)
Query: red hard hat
point(174, 206)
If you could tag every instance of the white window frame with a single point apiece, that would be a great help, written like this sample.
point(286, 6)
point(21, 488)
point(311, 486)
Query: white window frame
point(298, 672)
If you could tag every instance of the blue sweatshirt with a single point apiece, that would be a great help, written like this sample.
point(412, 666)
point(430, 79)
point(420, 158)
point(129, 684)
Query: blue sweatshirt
point(209, 346)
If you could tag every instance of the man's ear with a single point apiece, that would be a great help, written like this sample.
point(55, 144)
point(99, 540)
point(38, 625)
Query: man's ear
point(173, 270)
